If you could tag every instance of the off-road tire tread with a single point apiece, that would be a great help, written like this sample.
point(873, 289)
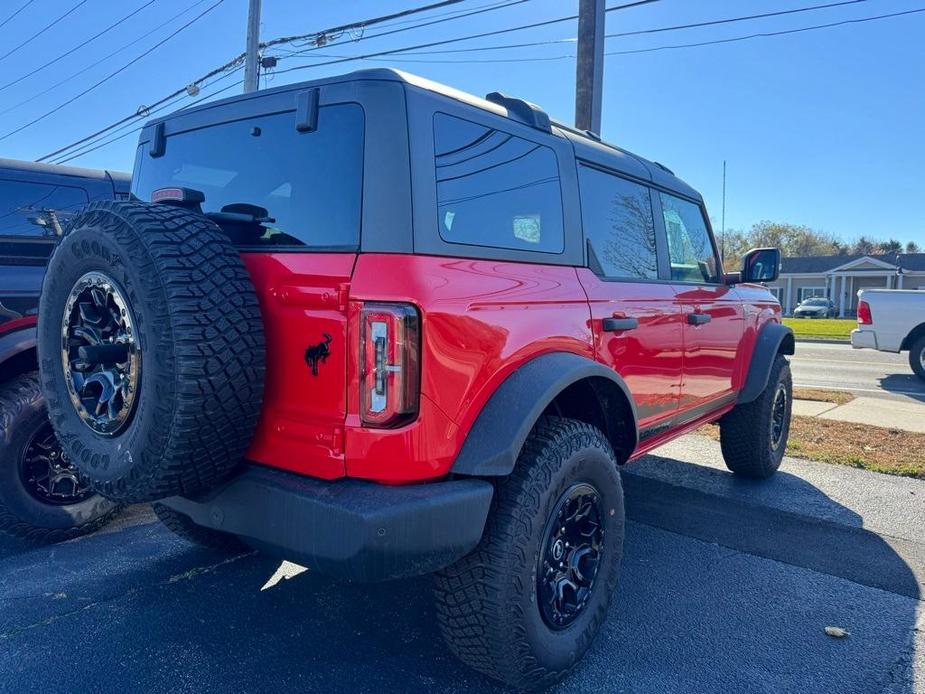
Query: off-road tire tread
point(209, 325)
point(184, 527)
point(473, 618)
point(745, 436)
point(16, 395)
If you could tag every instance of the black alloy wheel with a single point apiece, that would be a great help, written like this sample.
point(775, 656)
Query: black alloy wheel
point(47, 474)
point(571, 553)
point(779, 416)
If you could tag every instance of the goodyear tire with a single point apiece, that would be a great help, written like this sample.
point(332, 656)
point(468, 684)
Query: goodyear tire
point(41, 497)
point(151, 350)
point(753, 436)
point(527, 603)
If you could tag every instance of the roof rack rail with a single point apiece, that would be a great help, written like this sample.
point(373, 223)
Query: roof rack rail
point(663, 167)
point(524, 111)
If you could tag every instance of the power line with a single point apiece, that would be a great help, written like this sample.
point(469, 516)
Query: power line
point(136, 129)
point(360, 24)
point(112, 74)
point(43, 29)
point(860, 20)
point(459, 14)
point(829, 25)
point(237, 60)
point(639, 32)
point(444, 42)
point(101, 60)
point(21, 8)
point(77, 47)
point(147, 112)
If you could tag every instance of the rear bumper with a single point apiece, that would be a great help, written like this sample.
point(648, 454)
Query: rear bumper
point(350, 528)
point(863, 339)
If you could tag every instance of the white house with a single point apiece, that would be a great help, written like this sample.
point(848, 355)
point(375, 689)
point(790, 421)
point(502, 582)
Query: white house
point(840, 277)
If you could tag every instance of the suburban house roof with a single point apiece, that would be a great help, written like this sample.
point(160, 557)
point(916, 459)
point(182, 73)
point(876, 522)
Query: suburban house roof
point(820, 264)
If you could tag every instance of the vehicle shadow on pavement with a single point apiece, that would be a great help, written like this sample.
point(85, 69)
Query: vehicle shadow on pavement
point(904, 384)
point(696, 610)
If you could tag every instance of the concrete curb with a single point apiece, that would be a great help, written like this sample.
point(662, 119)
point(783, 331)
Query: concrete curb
point(821, 341)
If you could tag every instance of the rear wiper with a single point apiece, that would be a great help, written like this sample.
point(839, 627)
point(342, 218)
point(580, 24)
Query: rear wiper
point(242, 213)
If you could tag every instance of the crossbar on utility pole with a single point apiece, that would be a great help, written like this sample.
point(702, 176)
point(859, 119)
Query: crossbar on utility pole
point(589, 71)
point(251, 58)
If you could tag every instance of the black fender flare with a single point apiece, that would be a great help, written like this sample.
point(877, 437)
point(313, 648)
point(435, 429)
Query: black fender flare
point(17, 342)
point(499, 432)
point(773, 339)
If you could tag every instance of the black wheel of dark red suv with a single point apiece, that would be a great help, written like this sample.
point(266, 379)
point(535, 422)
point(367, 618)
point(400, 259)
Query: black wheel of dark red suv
point(151, 350)
point(753, 436)
point(527, 603)
point(42, 497)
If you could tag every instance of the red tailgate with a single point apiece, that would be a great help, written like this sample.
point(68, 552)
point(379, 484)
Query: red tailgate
point(303, 298)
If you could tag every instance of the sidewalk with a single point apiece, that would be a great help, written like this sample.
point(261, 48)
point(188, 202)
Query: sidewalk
point(908, 416)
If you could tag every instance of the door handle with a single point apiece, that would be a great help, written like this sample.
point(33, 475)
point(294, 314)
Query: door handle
point(699, 318)
point(613, 325)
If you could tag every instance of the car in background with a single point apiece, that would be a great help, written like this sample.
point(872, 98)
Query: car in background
point(42, 498)
point(892, 320)
point(816, 307)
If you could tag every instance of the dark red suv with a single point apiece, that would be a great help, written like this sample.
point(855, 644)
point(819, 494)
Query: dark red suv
point(383, 328)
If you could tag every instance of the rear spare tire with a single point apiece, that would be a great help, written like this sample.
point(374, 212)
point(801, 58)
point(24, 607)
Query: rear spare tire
point(151, 350)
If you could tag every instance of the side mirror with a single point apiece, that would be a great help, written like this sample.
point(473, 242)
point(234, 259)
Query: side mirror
point(761, 265)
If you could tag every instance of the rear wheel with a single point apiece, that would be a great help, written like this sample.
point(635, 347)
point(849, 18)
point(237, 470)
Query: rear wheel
point(917, 357)
point(42, 497)
point(754, 435)
point(527, 603)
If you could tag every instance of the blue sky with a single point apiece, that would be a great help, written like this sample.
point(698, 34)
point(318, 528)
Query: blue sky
point(823, 128)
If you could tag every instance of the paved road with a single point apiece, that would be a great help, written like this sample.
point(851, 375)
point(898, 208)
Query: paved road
point(864, 372)
point(727, 586)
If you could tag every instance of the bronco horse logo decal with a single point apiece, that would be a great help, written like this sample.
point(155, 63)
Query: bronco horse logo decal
point(318, 354)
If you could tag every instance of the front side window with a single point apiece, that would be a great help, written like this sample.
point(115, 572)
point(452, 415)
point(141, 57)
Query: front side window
point(617, 218)
point(37, 209)
point(309, 184)
point(690, 248)
point(495, 189)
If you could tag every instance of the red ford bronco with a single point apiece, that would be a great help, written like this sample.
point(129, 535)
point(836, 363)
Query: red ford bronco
point(384, 328)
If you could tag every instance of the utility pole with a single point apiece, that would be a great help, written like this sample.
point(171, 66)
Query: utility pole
point(251, 58)
point(589, 72)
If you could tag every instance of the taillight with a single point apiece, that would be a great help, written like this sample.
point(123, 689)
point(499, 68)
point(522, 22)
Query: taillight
point(390, 375)
point(864, 315)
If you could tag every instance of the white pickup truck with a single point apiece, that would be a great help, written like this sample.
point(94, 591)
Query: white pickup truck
point(892, 320)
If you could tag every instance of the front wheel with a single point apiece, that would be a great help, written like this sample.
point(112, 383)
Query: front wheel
point(753, 436)
point(527, 603)
point(42, 498)
point(917, 357)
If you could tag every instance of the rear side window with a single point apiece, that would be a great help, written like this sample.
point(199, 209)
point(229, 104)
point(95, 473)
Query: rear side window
point(617, 218)
point(310, 184)
point(690, 249)
point(495, 189)
point(37, 209)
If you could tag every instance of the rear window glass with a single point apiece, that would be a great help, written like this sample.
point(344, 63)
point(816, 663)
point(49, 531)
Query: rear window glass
point(310, 184)
point(495, 189)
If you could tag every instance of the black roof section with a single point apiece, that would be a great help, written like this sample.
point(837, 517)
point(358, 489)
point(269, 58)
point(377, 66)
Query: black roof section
point(587, 145)
point(12, 166)
point(824, 263)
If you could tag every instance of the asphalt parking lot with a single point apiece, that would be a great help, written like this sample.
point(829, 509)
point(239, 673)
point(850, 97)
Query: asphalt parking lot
point(727, 586)
point(864, 372)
